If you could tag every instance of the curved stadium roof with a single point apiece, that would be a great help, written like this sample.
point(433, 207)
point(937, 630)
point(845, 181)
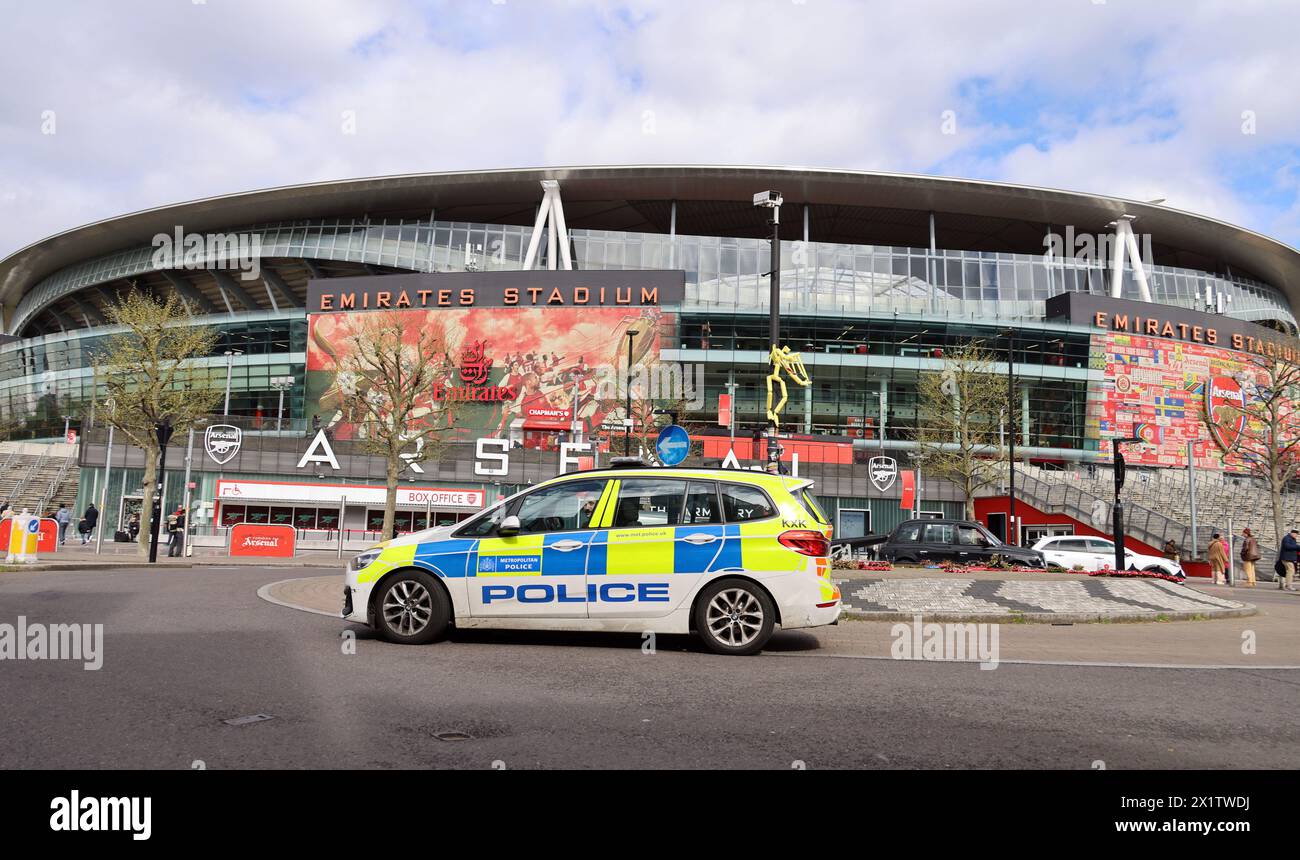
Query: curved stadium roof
point(850, 207)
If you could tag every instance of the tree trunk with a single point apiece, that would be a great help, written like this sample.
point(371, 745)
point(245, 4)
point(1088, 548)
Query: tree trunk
point(390, 498)
point(146, 504)
point(1275, 493)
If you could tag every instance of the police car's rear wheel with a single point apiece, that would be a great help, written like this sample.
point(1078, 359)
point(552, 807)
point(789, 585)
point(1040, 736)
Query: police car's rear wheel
point(412, 609)
point(734, 617)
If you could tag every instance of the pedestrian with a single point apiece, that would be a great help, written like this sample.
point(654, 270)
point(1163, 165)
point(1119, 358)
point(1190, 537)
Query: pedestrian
point(91, 517)
point(1171, 550)
point(63, 516)
point(1218, 556)
point(1249, 555)
point(1287, 560)
point(175, 533)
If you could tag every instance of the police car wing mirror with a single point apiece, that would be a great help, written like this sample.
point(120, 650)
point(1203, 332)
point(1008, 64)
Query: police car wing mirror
point(509, 527)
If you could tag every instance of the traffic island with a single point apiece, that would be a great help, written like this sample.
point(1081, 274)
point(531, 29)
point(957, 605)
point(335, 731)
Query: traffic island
point(1035, 599)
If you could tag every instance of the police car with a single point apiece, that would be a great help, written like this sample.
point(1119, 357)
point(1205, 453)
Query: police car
point(728, 555)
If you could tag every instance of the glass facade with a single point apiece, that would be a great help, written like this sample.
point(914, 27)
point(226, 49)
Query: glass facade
point(44, 379)
point(867, 319)
point(721, 272)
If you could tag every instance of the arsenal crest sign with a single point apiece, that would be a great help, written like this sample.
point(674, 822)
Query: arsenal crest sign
point(221, 441)
point(884, 471)
point(1224, 401)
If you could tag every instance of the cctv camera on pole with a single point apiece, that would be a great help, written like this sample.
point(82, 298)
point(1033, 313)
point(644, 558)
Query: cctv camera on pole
point(772, 200)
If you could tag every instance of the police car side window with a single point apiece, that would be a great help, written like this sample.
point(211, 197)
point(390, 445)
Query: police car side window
point(701, 504)
point(741, 503)
point(649, 502)
point(485, 524)
point(561, 507)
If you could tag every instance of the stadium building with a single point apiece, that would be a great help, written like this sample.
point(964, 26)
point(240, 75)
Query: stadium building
point(1115, 315)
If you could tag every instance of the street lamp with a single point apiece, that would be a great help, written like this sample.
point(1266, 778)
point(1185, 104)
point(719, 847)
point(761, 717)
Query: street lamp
point(1013, 533)
point(281, 384)
point(773, 200)
point(163, 431)
point(627, 414)
point(230, 363)
point(1117, 520)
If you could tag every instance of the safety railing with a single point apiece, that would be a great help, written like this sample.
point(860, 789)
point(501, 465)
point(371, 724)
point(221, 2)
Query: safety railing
point(1151, 527)
point(56, 483)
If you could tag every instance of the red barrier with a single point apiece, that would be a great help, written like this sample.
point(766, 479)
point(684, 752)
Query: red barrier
point(47, 538)
point(266, 541)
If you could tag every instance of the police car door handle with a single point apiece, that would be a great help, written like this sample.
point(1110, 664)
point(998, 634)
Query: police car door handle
point(700, 539)
point(567, 545)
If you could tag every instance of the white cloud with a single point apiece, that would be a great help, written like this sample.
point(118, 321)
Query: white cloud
point(158, 102)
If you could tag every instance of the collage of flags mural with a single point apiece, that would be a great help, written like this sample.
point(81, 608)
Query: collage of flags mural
point(1155, 389)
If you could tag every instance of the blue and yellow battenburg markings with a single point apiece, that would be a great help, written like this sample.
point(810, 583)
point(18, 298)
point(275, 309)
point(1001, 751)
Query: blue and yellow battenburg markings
point(632, 551)
point(605, 551)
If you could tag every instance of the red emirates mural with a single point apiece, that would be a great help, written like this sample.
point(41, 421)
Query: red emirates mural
point(504, 368)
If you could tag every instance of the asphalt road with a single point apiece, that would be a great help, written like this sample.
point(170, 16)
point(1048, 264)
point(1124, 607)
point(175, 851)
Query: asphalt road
point(186, 649)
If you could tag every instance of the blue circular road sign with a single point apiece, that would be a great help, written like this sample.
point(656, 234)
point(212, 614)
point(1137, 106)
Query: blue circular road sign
point(673, 444)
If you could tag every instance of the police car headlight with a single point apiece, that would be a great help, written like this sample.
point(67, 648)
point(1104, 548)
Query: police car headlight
point(364, 560)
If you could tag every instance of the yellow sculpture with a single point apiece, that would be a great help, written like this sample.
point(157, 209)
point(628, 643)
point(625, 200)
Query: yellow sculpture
point(784, 360)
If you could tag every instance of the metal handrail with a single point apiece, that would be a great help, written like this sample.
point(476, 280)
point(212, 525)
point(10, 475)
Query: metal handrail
point(1150, 527)
point(17, 493)
point(56, 483)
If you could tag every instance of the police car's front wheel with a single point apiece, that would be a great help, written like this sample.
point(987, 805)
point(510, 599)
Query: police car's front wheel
point(734, 617)
point(412, 608)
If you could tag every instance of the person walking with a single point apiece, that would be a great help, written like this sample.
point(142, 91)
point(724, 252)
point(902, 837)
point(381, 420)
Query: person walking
point(1218, 555)
point(63, 516)
point(1249, 555)
point(175, 533)
point(91, 516)
point(1287, 560)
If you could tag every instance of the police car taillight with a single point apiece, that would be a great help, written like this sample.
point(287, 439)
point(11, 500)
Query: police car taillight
point(805, 542)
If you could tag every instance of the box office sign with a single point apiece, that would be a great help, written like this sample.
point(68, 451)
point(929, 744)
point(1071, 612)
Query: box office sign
point(234, 491)
point(524, 289)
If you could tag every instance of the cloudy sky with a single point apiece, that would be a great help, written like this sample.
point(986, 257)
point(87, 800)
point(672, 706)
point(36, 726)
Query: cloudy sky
point(110, 107)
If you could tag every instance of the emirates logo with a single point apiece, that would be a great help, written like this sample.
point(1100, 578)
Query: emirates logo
point(474, 366)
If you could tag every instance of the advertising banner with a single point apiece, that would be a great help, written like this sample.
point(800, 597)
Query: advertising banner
point(261, 540)
point(1169, 393)
point(283, 491)
point(500, 371)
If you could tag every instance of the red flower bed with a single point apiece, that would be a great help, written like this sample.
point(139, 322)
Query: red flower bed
point(1131, 574)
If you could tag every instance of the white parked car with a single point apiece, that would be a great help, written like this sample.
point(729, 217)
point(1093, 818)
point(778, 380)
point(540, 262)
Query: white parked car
point(1094, 553)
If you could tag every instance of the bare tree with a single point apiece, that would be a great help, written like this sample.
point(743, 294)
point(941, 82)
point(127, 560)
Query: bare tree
point(395, 366)
point(961, 411)
point(1268, 444)
point(148, 375)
